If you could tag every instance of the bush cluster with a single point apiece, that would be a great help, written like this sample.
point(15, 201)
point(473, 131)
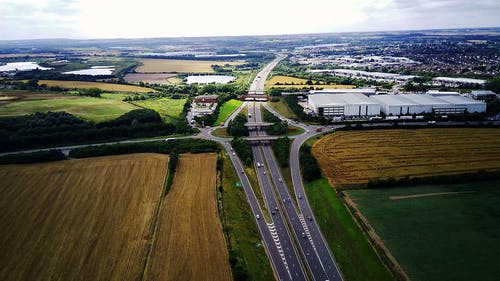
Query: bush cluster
point(281, 148)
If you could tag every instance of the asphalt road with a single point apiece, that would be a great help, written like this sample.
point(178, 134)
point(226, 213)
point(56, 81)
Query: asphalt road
point(281, 236)
point(299, 224)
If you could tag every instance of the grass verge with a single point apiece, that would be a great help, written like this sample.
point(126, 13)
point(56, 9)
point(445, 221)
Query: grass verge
point(226, 109)
point(283, 109)
point(242, 235)
point(221, 133)
point(354, 254)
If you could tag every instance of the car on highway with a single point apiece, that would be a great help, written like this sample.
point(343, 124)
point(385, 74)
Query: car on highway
point(257, 216)
point(234, 154)
point(280, 180)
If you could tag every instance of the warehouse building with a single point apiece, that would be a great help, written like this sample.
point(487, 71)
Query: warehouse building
point(398, 105)
point(420, 104)
point(364, 91)
point(344, 105)
point(435, 93)
point(482, 95)
point(462, 103)
point(455, 81)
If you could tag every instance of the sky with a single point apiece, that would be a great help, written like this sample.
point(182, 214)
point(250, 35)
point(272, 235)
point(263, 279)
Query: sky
point(85, 19)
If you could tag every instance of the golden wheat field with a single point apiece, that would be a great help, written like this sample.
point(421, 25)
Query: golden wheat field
point(84, 219)
point(291, 82)
point(100, 85)
point(354, 157)
point(189, 243)
point(180, 66)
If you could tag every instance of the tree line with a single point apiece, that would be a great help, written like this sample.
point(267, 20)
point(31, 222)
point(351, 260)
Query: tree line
point(62, 128)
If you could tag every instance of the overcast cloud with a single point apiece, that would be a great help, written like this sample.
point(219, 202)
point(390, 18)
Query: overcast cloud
point(33, 19)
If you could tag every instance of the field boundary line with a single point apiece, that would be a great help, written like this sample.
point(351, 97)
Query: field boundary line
point(154, 224)
point(375, 241)
point(402, 197)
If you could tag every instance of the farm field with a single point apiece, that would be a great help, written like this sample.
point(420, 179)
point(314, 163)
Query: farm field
point(83, 219)
point(168, 108)
point(288, 81)
point(95, 109)
point(180, 66)
point(7, 97)
point(441, 232)
point(352, 250)
point(103, 86)
point(153, 78)
point(189, 243)
point(226, 109)
point(354, 157)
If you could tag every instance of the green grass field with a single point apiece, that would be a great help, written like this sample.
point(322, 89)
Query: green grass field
point(226, 109)
point(95, 109)
point(354, 254)
point(442, 237)
point(168, 108)
point(240, 229)
point(283, 109)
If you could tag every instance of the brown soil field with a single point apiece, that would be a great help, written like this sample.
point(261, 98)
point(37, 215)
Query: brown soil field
point(189, 243)
point(180, 66)
point(354, 157)
point(153, 78)
point(86, 219)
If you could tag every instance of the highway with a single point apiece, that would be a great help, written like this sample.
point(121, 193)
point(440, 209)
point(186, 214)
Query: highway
point(318, 260)
point(314, 234)
point(289, 252)
point(299, 223)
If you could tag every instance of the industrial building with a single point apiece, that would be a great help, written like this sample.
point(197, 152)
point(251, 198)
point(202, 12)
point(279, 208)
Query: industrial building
point(364, 91)
point(421, 104)
point(435, 93)
point(460, 102)
point(345, 105)
point(455, 81)
point(377, 76)
point(482, 95)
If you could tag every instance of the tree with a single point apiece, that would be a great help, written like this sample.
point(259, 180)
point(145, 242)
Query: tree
point(493, 85)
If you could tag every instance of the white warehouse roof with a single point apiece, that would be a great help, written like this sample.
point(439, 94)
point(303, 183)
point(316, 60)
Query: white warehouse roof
point(341, 99)
point(422, 103)
point(344, 91)
point(459, 80)
point(393, 100)
point(459, 100)
point(441, 93)
point(423, 99)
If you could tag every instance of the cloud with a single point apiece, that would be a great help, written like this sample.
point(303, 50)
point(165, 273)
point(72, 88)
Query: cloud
point(37, 19)
point(150, 18)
